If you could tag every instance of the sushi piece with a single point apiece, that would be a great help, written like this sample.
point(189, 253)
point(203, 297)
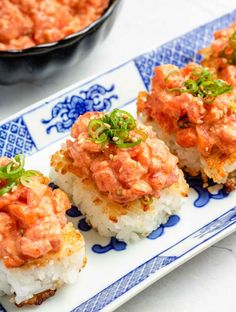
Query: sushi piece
point(123, 179)
point(221, 54)
point(39, 251)
point(194, 114)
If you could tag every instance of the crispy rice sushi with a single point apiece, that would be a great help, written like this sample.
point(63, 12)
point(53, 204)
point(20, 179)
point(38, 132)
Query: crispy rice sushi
point(123, 179)
point(194, 114)
point(221, 54)
point(39, 252)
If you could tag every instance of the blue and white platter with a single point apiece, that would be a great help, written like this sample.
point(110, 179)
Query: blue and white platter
point(115, 271)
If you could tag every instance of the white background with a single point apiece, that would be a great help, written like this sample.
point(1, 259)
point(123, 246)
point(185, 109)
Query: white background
point(207, 283)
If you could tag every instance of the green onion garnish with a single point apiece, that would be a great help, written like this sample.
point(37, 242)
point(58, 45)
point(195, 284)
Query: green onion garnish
point(146, 200)
point(229, 52)
point(14, 174)
point(232, 38)
point(114, 128)
point(234, 108)
point(7, 188)
point(204, 85)
point(96, 129)
point(172, 72)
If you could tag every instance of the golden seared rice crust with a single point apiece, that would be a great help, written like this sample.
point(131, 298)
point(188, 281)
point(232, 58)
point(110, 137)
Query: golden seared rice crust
point(216, 167)
point(218, 163)
point(114, 210)
point(38, 299)
point(63, 164)
point(127, 222)
point(230, 184)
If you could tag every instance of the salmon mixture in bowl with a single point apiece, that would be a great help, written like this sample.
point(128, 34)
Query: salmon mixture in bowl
point(26, 23)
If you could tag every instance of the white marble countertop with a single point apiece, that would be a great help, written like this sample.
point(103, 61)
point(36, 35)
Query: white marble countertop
point(207, 282)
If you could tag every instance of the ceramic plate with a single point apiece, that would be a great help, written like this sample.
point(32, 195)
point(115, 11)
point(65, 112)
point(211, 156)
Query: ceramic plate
point(115, 271)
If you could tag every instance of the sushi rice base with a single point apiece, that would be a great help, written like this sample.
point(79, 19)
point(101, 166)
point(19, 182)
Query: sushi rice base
point(48, 272)
point(126, 222)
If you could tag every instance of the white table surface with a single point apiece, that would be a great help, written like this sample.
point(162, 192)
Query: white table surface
point(206, 283)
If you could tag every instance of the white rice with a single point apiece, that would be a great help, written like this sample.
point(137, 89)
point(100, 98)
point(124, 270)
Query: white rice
point(131, 223)
point(47, 273)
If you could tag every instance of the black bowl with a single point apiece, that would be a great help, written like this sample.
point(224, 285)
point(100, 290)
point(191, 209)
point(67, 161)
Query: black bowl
point(44, 60)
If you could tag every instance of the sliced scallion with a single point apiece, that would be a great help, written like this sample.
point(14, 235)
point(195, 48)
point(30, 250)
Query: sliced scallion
point(14, 173)
point(114, 128)
point(147, 200)
point(229, 52)
point(204, 86)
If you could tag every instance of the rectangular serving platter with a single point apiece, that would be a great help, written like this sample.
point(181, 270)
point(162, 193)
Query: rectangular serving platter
point(115, 271)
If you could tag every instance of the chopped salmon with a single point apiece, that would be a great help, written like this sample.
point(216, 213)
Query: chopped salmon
point(194, 121)
point(220, 55)
point(124, 174)
point(31, 221)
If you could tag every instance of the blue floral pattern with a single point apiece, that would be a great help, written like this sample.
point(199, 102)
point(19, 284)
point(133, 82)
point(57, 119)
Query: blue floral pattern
point(144, 271)
point(204, 195)
point(2, 308)
point(83, 225)
point(227, 219)
point(117, 245)
point(172, 221)
point(65, 113)
point(114, 244)
point(124, 284)
point(53, 186)
point(15, 138)
point(73, 212)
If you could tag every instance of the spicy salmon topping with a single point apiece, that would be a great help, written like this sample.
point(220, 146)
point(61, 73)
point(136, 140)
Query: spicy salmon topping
point(26, 23)
point(221, 54)
point(32, 215)
point(123, 157)
point(194, 106)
